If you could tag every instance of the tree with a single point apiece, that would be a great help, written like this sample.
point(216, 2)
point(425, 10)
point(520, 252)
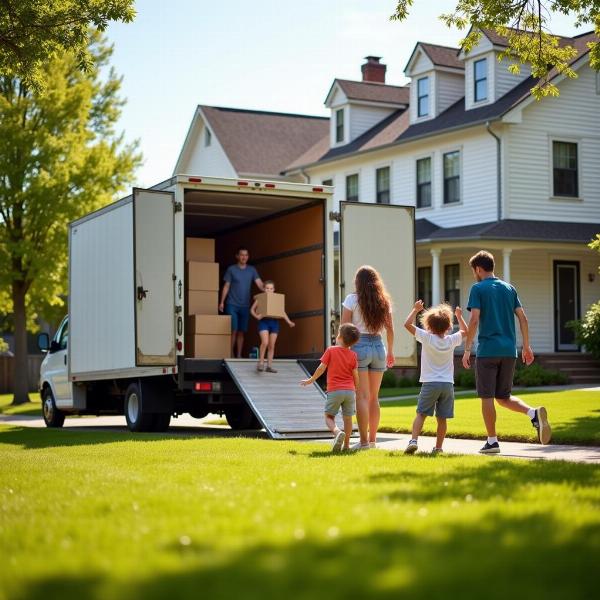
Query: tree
point(32, 31)
point(59, 159)
point(524, 24)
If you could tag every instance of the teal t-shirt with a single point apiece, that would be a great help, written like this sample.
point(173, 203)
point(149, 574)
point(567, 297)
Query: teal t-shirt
point(497, 301)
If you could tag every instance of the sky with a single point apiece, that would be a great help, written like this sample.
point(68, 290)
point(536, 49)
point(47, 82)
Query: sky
point(274, 55)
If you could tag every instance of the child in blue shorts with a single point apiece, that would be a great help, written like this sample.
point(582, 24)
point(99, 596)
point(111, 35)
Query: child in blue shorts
point(268, 329)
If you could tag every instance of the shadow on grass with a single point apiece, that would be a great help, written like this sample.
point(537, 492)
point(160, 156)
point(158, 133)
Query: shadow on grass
point(31, 438)
point(496, 558)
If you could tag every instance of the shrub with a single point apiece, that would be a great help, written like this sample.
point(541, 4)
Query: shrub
point(465, 379)
point(408, 382)
point(536, 375)
point(389, 379)
point(587, 330)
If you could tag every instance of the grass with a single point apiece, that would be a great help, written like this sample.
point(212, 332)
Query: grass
point(114, 515)
point(574, 416)
point(29, 408)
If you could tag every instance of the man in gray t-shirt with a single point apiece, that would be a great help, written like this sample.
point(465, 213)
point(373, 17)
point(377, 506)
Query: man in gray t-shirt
point(235, 297)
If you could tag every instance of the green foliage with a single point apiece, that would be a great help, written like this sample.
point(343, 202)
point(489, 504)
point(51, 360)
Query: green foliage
point(389, 379)
point(3, 345)
point(536, 375)
point(406, 382)
point(34, 31)
point(524, 24)
point(59, 159)
point(587, 330)
point(465, 379)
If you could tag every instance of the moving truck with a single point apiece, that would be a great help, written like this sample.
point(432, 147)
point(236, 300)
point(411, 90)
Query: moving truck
point(128, 345)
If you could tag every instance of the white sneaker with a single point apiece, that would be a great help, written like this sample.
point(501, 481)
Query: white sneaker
point(412, 447)
point(338, 441)
point(360, 446)
point(372, 445)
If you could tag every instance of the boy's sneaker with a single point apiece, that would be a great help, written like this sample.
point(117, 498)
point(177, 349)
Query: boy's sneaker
point(437, 451)
point(412, 447)
point(490, 448)
point(372, 444)
point(360, 446)
point(540, 422)
point(338, 441)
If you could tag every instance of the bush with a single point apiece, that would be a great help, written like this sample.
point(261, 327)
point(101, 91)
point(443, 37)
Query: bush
point(536, 375)
point(389, 380)
point(587, 331)
point(405, 382)
point(465, 379)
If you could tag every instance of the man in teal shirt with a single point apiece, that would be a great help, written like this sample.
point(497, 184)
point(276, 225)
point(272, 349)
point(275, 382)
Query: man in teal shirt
point(493, 304)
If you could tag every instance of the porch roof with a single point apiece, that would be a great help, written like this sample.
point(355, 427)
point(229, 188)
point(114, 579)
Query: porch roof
point(508, 229)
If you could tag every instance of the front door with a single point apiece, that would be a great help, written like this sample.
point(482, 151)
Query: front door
point(382, 236)
point(566, 303)
point(154, 230)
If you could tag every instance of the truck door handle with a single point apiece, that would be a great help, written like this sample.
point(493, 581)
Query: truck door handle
point(141, 292)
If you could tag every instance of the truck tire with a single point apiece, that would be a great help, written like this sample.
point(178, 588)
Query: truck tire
point(161, 421)
point(52, 416)
point(241, 417)
point(137, 418)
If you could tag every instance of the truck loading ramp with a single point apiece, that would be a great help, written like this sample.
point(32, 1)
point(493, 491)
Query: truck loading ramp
point(284, 408)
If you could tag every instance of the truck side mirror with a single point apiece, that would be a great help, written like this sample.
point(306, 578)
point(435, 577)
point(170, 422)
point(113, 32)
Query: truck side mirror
point(43, 342)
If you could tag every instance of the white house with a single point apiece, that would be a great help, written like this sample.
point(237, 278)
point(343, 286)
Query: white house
point(484, 163)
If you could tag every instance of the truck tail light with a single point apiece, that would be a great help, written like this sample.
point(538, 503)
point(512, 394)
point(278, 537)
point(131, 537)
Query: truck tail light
point(195, 179)
point(317, 189)
point(207, 386)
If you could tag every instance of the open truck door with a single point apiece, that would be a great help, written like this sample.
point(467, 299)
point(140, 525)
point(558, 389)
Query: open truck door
point(382, 236)
point(154, 288)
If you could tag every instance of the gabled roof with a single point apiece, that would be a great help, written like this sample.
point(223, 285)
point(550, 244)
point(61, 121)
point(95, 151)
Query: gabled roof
point(502, 40)
point(259, 142)
point(440, 56)
point(367, 91)
point(508, 229)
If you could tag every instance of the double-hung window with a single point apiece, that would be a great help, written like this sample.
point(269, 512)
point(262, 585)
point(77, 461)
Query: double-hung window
point(480, 80)
point(382, 185)
point(424, 182)
point(452, 284)
point(339, 125)
point(352, 188)
point(424, 291)
point(565, 169)
point(423, 97)
point(451, 177)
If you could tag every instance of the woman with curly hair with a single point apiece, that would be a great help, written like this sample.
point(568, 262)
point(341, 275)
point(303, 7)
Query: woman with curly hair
point(370, 309)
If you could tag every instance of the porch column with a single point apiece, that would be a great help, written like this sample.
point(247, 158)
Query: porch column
point(435, 276)
point(506, 264)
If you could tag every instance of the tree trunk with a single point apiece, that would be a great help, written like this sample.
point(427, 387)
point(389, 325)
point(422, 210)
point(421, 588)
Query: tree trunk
point(20, 378)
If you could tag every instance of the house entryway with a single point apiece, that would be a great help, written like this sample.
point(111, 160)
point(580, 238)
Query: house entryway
point(566, 304)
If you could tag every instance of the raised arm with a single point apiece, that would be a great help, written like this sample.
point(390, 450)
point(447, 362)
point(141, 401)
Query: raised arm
point(409, 324)
point(527, 352)
point(471, 331)
point(458, 313)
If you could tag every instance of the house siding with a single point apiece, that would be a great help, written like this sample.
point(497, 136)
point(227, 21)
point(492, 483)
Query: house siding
point(362, 118)
point(450, 88)
point(504, 80)
point(573, 116)
point(207, 160)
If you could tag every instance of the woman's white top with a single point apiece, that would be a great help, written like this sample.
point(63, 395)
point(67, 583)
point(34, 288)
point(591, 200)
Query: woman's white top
point(351, 303)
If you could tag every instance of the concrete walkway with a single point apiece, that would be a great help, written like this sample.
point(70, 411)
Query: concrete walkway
point(187, 425)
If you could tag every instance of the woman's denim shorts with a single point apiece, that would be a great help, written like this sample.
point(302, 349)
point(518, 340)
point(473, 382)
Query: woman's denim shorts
point(370, 352)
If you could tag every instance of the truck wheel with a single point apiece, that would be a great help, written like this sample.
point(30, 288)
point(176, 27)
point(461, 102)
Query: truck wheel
point(137, 418)
point(161, 421)
point(52, 416)
point(241, 417)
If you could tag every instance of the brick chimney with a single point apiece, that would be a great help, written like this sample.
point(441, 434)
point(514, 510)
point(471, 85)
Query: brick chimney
point(373, 70)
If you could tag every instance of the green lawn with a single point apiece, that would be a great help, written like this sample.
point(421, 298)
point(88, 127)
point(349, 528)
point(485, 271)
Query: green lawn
point(574, 416)
point(115, 515)
point(29, 408)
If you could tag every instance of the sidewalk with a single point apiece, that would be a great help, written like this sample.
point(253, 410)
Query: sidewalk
point(187, 425)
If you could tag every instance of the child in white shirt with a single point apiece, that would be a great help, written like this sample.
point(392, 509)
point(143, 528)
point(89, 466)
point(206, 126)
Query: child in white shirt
point(437, 367)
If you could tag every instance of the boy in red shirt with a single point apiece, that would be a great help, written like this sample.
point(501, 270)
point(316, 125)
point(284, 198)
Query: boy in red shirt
point(342, 381)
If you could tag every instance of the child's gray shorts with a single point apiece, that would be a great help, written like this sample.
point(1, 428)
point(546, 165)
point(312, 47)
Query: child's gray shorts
point(438, 395)
point(344, 399)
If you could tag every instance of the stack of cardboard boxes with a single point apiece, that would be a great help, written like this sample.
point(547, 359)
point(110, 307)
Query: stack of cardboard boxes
point(208, 334)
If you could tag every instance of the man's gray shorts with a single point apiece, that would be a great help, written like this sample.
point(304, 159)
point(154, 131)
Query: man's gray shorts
point(344, 399)
point(494, 376)
point(438, 395)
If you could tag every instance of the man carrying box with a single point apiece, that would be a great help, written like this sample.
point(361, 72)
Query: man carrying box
point(235, 297)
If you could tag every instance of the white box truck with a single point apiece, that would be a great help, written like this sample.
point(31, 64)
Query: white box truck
point(121, 349)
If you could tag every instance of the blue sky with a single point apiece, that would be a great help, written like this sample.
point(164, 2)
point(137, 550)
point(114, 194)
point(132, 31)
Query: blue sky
point(278, 55)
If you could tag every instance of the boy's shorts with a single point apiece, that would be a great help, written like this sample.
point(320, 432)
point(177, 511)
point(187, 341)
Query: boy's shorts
point(438, 395)
point(268, 324)
point(344, 399)
point(240, 315)
point(494, 377)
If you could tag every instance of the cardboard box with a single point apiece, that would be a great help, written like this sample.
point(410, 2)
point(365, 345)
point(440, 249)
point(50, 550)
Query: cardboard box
point(208, 346)
point(208, 324)
point(202, 303)
point(270, 305)
point(202, 276)
point(200, 249)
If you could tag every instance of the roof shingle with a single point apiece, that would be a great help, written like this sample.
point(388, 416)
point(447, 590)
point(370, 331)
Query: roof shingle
point(443, 56)
point(374, 92)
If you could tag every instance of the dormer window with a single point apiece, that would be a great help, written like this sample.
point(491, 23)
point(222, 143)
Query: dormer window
point(339, 125)
point(423, 97)
point(480, 91)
